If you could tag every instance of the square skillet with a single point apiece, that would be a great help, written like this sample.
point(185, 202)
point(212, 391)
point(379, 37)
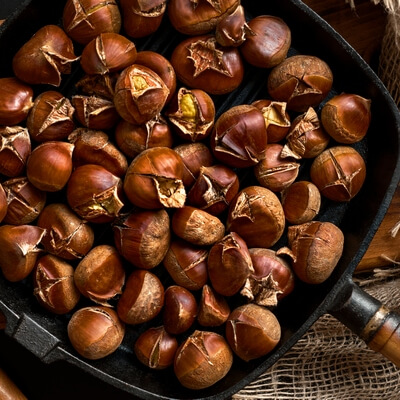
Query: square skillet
point(45, 336)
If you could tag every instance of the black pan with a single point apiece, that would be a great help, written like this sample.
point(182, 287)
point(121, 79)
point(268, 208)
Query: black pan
point(42, 337)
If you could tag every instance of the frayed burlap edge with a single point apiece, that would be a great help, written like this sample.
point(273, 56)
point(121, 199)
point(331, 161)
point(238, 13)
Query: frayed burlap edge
point(332, 363)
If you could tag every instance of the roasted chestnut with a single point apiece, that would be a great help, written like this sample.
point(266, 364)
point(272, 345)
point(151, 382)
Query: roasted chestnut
point(213, 309)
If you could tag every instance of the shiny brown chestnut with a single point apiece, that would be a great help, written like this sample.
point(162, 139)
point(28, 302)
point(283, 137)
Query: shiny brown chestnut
point(203, 359)
point(315, 248)
point(191, 113)
point(272, 279)
point(214, 189)
point(274, 172)
point(194, 156)
point(132, 139)
point(257, 216)
point(16, 100)
point(201, 63)
point(277, 119)
point(268, 43)
point(95, 331)
point(3, 203)
point(239, 137)
point(15, 148)
point(98, 85)
point(156, 348)
point(229, 264)
point(252, 331)
point(106, 53)
point(49, 166)
point(143, 237)
point(51, 117)
point(25, 201)
point(86, 19)
point(179, 311)
point(94, 193)
point(154, 179)
point(95, 112)
point(339, 172)
point(67, 236)
point(186, 264)
point(142, 17)
point(213, 309)
point(199, 17)
point(100, 275)
point(301, 202)
point(197, 226)
point(140, 94)
point(95, 147)
point(142, 298)
point(53, 284)
point(346, 117)
point(20, 248)
point(45, 57)
point(302, 81)
point(306, 137)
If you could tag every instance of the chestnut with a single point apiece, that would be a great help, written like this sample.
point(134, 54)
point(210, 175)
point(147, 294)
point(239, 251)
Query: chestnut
point(201, 63)
point(49, 166)
point(315, 248)
point(239, 137)
point(25, 201)
point(100, 275)
point(132, 139)
point(275, 172)
point(197, 226)
point(106, 53)
point(53, 284)
point(67, 236)
point(142, 18)
point(346, 117)
point(180, 310)
point(98, 85)
point(257, 216)
point(277, 118)
point(95, 147)
point(51, 117)
point(268, 43)
point(86, 19)
point(214, 189)
point(196, 18)
point(203, 359)
point(213, 308)
point(140, 94)
point(302, 81)
point(95, 331)
point(161, 66)
point(15, 148)
point(306, 137)
point(45, 57)
point(301, 202)
point(338, 172)
point(154, 179)
point(142, 237)
point(156, 348)
point(229, 264)
point(94, 193)
point(19, 250)
point(3, 203)
point(272, 279)
point(16, 100)
point(95, 112)
point(252, 331)
point(142, 298)
point(191, 114)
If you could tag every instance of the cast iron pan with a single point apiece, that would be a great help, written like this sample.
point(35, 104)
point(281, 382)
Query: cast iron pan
point(45, 336)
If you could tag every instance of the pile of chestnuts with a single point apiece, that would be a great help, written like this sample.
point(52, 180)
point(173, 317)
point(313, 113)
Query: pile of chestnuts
point(136, 172)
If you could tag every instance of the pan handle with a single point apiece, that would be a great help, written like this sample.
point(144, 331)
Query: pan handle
point(378, 326)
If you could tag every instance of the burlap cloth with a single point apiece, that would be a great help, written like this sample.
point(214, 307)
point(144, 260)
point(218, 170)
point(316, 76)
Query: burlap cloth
point(330, 362)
